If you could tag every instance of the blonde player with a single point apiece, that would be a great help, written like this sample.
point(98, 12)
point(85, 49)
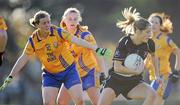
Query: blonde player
point(87, 64)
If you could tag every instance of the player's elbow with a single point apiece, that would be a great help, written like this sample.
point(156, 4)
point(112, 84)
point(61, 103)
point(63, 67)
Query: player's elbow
point(118, 65)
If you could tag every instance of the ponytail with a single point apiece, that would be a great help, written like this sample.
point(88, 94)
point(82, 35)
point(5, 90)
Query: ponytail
point(36, 19)
point(133, 21)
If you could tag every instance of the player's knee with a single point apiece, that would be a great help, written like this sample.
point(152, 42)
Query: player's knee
point(79, 100)
point(61, 102)
point(152, 94)
point(94, 100)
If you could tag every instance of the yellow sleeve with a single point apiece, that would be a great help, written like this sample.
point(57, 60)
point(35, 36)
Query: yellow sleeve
point(90, 39)
point(29, 50)
point(85, 36)
point(3, 25)
point(64, 34)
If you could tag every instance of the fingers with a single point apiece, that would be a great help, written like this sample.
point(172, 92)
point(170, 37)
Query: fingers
point(2, 87)
point(6, 83)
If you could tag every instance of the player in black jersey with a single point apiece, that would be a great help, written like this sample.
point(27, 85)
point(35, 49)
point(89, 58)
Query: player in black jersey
point(121, 79)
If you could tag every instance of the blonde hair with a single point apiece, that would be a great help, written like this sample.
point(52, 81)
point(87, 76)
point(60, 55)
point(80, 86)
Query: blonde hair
point(39, 15)
point(165, 22)
point(72, 10)
point(133, 21)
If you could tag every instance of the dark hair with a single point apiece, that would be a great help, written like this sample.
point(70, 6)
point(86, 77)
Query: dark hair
point(39, 15)
point(160, 19)
point(141, 24)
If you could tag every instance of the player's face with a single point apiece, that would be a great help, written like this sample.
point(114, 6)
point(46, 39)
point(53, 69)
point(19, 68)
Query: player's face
point(71, 20)
point(44, 24)
point(145, 34)
point(155, 22)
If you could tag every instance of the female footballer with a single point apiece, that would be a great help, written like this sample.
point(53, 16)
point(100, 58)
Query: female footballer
point(47, 44)
point(85, 58)
point(162, 27)
point(123, 80)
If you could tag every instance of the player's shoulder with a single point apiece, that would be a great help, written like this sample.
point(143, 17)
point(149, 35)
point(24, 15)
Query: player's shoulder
point(54, 26)
point(169, 40)
point(125, 39)
point(84, 32)
point(34, 33)
point(57, 31)
point(166, 39)
point(83, 28)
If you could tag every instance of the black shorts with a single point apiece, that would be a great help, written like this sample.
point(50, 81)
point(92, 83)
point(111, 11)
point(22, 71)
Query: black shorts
point(121, 84)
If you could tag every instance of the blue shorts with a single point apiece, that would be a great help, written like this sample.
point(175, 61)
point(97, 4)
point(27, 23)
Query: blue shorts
point(163, 89)
point(69, 77)
point(88, 80)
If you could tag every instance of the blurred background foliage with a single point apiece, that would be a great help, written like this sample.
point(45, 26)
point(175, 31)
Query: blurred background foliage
point(101, 17)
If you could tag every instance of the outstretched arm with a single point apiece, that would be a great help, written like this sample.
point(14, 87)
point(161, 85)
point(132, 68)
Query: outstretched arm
point(73, 39)
point(23, 59)
point(83, 43)
point(15, 70)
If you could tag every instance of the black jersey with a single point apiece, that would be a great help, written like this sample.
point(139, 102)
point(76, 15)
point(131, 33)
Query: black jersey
point(126, 47)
